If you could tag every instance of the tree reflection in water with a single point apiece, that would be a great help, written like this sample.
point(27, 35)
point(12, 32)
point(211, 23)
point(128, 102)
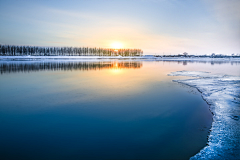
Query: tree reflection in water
point(32, 66)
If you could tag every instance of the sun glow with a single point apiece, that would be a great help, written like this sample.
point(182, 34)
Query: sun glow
point(117, 45)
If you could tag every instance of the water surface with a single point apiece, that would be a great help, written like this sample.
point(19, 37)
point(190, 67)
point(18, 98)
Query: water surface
point(101, 110)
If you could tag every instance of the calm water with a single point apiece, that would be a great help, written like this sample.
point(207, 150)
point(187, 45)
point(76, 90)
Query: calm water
point(102, 110)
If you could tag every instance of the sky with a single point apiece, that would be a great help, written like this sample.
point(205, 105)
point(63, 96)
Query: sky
point(155, 26)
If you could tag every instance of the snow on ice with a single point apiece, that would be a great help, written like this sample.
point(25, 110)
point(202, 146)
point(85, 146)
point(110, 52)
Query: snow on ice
point(222, 93)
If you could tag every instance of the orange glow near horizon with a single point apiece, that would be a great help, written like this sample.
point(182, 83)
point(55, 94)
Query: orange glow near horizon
point(117, 45)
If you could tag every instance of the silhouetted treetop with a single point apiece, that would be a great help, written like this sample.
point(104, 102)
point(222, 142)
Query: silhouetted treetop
point(12, 50)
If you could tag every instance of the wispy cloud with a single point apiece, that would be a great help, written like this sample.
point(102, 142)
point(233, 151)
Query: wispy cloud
point(227, 13)
point(170, 26)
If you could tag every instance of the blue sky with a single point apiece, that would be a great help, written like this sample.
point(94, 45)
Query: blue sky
point(156, 26)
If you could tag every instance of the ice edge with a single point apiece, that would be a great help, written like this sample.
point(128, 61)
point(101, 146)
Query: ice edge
point(222, 93)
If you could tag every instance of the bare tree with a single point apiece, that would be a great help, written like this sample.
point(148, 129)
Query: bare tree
point(185, 54)
point(65, 51)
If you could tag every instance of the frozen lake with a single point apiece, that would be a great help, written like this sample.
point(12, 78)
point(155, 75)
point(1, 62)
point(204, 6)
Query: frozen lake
point(103, 109)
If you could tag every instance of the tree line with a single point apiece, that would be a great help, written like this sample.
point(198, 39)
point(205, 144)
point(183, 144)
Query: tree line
point(13, 50)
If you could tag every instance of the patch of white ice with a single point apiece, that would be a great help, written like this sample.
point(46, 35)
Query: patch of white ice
point(222, 93)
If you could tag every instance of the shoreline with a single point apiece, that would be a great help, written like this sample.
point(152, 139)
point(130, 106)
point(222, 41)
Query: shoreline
point(15, 58)
point(221, 92)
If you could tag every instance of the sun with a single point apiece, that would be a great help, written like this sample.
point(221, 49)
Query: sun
point(117, 45)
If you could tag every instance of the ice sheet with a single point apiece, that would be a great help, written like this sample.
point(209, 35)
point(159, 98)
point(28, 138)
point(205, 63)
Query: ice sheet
point(222, 93)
